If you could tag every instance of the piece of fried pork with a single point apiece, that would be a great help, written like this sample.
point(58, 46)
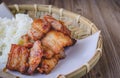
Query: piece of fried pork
point(57, 25)
point(47, 65)
point(18, 58)
point(47, 53)
point(36, 54)
point(39, 28)
point(56, 41)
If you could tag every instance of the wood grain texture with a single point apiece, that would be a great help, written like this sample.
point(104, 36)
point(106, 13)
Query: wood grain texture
point(106, 15)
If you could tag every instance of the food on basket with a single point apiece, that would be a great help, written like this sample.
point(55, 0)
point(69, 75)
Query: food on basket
point(35, 56)
point(47, 65)
point(57, 25)
point(56, 41)
point(39, 28)
point(41, 48)
point(18, 58)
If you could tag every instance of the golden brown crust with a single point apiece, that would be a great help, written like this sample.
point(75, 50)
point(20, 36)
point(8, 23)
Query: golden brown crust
point(35, 34)
point(56, 41)
point(41, 25)
point(57, 25)
point(17, 59)
point(60, 55)
point(26, 41)
point(39, 28)
point(36, 54)
point(47, 65)
point(47, 53)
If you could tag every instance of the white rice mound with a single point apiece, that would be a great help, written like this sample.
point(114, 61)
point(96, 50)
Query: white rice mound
point(11, 31)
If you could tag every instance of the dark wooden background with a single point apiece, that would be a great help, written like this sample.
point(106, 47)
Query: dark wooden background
point(106, 15)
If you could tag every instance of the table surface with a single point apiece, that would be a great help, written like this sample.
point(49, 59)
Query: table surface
point(106, 15)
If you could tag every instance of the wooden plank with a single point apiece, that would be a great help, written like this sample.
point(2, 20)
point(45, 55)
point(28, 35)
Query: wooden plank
point(110, 58)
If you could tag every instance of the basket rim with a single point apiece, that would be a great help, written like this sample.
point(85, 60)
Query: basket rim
point(49, 8)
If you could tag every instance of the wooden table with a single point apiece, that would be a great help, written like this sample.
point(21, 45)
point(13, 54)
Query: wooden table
point(106, 15)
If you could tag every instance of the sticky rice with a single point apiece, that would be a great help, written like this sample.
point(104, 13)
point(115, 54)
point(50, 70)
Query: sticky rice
point(11, 31)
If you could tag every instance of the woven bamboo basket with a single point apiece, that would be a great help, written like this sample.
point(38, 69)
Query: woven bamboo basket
point(78, 25)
